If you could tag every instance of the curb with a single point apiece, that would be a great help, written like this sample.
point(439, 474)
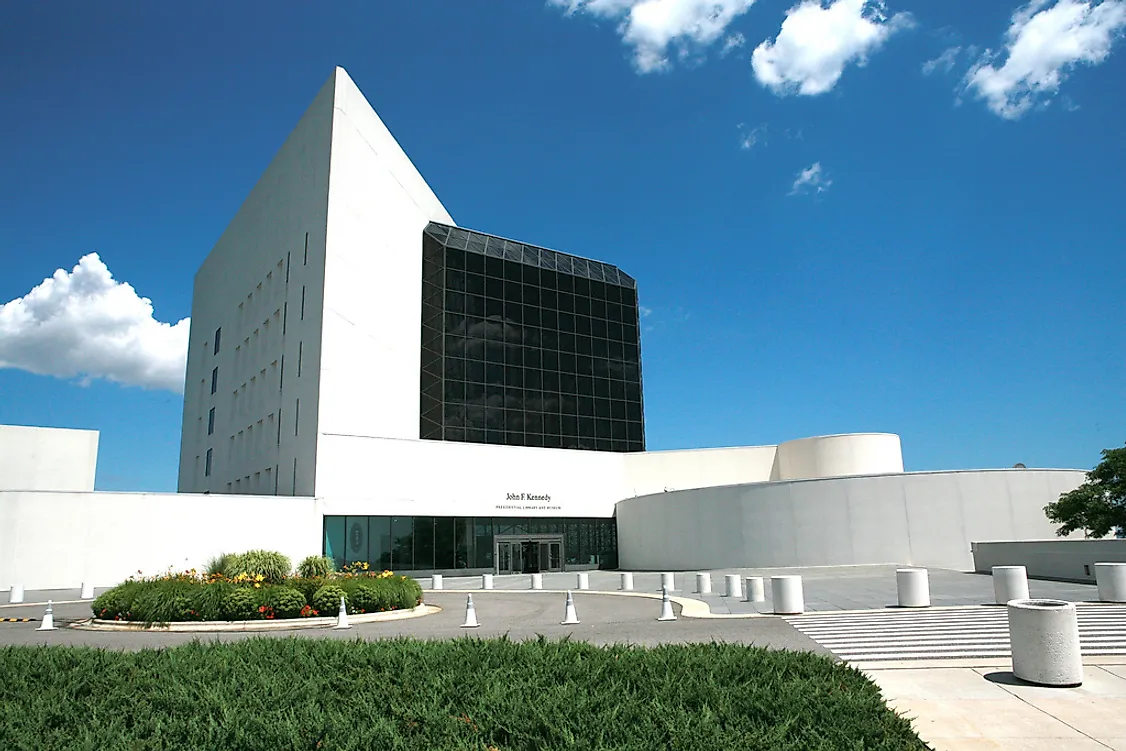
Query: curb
point(689, 608)
point(290, 624)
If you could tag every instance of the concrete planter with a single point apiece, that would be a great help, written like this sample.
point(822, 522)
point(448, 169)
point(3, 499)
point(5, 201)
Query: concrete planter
point(704, 584)
point(537, 581)
point(756, 591)
point(15, 594)
point(913, 585)
point(733, 585)
point(583, 580)
point(1009, 583)
point(436, 581)
point(787, 594)
point(486, 581)
point(1044, 635)
point(668, 582)
point(627, 582)
point(1111, 580)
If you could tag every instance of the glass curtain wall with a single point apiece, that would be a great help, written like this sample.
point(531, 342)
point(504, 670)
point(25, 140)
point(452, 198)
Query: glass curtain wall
point(427, 543)
point(526, 346)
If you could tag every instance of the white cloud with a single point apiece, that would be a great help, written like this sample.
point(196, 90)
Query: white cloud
point(1042, 45)
point(651, 27)
point(816, 42)
point(85, 324)
point(732, 43)
point(748, 139)
point(945, 61)
point(811, 178)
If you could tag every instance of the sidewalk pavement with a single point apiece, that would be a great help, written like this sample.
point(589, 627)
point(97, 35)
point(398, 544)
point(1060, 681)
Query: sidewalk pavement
point(957, 708)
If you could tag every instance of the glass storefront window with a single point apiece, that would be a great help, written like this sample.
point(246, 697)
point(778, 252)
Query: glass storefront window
point(402, 541)
point(334, 539)
point(425, 543)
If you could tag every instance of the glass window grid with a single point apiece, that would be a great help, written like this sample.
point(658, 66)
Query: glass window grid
point(427, 543)
point(500, 378)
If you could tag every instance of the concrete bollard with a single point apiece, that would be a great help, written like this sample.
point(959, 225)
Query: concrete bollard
point(733, 585)
point(627, 582)
point(486, 581)
point(583, 580)
point(1044, 635)
point(913, 585)
point(1111, 581)
point(87, 591)
point(1009, 583)
point(436, 581)
point(668, 581)
point(537, 581)
point(756, 592)
point(15, 594)
point(704, 583)
point(787, 594)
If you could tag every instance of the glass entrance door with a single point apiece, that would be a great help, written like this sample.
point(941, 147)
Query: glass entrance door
point(528, 554)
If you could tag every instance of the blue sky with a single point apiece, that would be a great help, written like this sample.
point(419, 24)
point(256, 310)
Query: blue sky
point(830, 234)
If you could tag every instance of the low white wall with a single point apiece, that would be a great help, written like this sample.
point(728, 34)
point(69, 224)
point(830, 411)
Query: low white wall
point(53, 540)
point(1068, 559)
point(925, 519)
point(656, 471)
point(47, 458)
point(838, 456)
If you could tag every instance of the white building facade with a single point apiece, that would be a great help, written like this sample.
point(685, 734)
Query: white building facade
point(368, 380)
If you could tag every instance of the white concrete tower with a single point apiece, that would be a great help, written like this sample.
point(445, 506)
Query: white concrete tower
point(305, 315)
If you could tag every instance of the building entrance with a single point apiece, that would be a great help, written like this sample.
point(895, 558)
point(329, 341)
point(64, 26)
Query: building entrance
point(528, 554)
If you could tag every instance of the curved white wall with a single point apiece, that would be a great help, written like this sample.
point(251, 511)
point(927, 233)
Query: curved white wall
point(838, 456)
point(924, 519)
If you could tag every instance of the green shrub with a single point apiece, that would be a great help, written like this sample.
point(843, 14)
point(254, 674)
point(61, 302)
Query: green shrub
point(365, 599)
point(272, 565)
point(209, 601)
point(164, 601)
point(315, 566)
point(306, 586)
point(239, 605)
point(116, 602)
point(327, 599)
point(219, 564)
point(283, 602)
point(268, 693)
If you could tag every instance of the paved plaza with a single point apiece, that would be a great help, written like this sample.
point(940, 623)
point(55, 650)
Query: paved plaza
point(946, 667)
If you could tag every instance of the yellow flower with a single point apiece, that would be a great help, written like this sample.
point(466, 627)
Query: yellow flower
point(257, 585)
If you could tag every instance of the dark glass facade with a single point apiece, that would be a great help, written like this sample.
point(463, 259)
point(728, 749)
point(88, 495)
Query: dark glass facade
point(427, 543)
point(526, 346)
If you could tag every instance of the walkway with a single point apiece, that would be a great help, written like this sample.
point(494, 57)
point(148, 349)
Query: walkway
point(981, 632)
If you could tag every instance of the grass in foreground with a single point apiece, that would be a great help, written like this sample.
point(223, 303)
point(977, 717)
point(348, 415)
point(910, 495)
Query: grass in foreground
point(466, 693)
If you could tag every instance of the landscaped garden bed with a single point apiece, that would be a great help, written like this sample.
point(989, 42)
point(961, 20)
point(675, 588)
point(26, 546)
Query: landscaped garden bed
point(295, 693)
point(257, 585)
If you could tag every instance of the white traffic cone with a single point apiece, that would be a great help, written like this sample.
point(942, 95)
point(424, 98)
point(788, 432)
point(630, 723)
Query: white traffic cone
point(666, 607)
point(570, 617)
point(342, 616)
point(48, 619)
point(87, 591)
point(470, 614)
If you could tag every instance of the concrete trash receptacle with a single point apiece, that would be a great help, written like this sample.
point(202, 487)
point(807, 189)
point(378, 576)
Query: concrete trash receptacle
point(1044, 636)
point(1111, 581)
point(1009, 583)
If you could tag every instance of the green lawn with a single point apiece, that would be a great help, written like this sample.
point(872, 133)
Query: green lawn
point(297, 693)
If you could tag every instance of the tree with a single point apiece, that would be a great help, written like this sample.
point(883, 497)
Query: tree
point(1098, 506)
